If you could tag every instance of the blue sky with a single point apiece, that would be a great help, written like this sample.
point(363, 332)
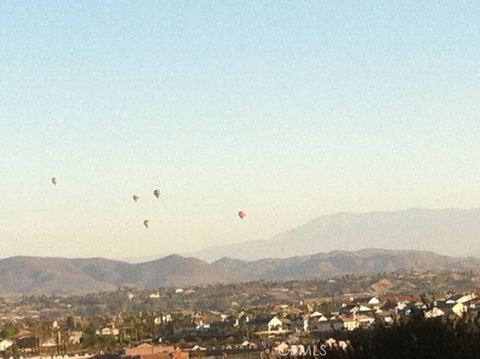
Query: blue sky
point(288, 110)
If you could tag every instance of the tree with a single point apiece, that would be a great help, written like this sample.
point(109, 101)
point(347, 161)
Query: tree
point(9, 330)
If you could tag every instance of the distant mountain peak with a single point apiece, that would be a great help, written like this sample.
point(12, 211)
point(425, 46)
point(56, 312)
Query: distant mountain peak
point(447, 231)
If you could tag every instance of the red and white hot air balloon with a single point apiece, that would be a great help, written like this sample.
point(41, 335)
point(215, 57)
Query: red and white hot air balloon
point(242, 214)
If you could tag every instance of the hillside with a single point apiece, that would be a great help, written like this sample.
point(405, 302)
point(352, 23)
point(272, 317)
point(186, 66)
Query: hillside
point(63, 276)
point(324, 265)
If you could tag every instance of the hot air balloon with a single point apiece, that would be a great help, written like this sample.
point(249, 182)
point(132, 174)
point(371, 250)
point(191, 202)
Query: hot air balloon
point(242, 214)
point(156, 193)
point(146, 223)
point(136, 197)
point(54, 180)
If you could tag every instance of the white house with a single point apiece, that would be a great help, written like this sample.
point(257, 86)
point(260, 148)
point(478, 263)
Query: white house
point(374, 301)
point(198, 348)
point(322, 319)
point(349, 323)
point(459, 309)
point(466, 298)
point(5, 344)
point(108, 331)
point(275, 324)
point(434, 312)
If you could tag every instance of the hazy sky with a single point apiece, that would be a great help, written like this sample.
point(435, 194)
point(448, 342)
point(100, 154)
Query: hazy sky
point(288, 110)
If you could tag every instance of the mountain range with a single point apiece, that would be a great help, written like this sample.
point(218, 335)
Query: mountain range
point(63, 276)
point(445, 231)
point(414, 236)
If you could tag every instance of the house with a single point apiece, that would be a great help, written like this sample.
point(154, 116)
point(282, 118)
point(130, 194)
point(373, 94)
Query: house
point(349, 323)
point(402, 305)
point(386, 317)
point(108, 331)
point(460, 309)
point(204, 320)
point(364, 308)
point(466, 298)
point(197, 348)
point(275, 324)
point(364, 321)
point(75, 337)
point(149, 351)
point(338, 345)
point(374, 301)
point(50, 342)
point(322, 319)
point(329, 325)
point(389, 306)
point(5, 344)
point(434, 312)
point(270, 325)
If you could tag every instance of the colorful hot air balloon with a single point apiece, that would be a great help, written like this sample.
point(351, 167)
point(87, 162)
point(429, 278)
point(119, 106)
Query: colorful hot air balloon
point(135, 197)
point(242, 214)
point(146, 223)
point(156, 193)
point(54, 180)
